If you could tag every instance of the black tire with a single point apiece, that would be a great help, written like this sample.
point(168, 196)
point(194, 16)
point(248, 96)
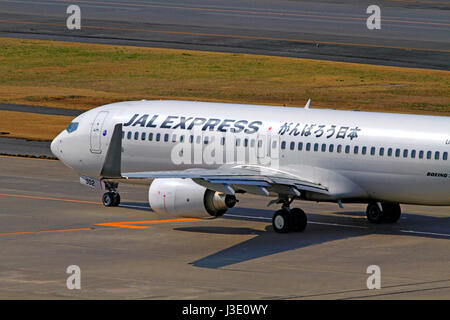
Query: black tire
point(281, 221)
point(392, 212)
point(108, 199)
point(299, 220)
point(374, 213)
point(116, 200)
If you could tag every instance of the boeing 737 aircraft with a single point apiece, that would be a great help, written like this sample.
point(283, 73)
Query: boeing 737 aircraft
point(197, 158)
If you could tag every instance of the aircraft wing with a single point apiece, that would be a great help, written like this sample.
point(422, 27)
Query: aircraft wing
point(237, 179)
point(227, 179)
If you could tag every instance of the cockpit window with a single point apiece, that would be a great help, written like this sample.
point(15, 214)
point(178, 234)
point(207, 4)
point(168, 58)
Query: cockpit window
point(72, 127)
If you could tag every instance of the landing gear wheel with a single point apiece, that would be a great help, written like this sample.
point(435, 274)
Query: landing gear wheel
point(111, 199)
point(299, 220)
point(116, 200)
point(108, 199)
point(392, 212)
point(281, 221)
point(374, 213)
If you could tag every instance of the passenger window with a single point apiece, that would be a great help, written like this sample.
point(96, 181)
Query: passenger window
point(182, 138)
point(390, 152)
point(252, 143)
point(292, 146)
point(397, 153)
point(331, 148)
point(174, 138)
point(356, 150)
point(283, 145)
point(245, 142)
point(381, 151)
point(300, 146)
point(421, 154)
point(445, 156)
point(158, 136)
point(150, 136)
point(308, 146)
point(143, 136)
point(198, 139)
point(437, 155)
point(129, 135)
point(166, 137)
point(324, 147)
point(206, 140)
point(238, 142)
point(405, 153)
point(136, 135)
point(339, 148)
point(316, 147)
point(347, 149)
point(372, 151)
point(429, 153)
point(260, 143)
point(222, 141)
point(364, 150)
point(413, 154)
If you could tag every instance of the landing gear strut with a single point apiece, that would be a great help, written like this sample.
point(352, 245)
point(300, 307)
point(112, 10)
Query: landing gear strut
point(287, 219)
point(383, 212)
point(112, 197)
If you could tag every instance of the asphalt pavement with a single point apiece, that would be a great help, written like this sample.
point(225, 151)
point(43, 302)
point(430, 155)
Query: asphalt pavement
point(412, 34)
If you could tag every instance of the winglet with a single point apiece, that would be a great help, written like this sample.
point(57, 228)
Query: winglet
point(113, 160)
point(307, 104)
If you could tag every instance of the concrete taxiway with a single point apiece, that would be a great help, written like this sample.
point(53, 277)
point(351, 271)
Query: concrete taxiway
point(48, 221)
point(13, 146)
point(413, 33)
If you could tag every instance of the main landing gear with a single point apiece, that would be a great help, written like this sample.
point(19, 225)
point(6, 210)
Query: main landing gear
point(112, 197)
point(383, 212)
point(287, 219)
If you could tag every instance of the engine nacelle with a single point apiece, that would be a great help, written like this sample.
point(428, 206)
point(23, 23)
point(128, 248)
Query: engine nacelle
point(185, 198)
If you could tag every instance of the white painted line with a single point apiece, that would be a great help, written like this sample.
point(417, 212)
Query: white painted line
point(338, 225)
point(312, 222)
point(131, 206)
point(427, 233)
point(100, 5)
point(247, 217)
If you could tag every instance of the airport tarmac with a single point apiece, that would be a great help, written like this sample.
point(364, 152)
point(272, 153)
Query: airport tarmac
point(49, 221)
point(413, 33)
point(13, 146)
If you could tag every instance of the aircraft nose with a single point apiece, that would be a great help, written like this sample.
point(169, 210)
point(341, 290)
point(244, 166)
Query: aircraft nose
point(54, 146)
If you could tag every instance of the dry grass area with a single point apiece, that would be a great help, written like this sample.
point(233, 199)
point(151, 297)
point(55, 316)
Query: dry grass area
point(83, 76)
point(31, 126)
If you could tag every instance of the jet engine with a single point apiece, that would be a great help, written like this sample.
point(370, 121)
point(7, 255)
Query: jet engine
point(185, 198)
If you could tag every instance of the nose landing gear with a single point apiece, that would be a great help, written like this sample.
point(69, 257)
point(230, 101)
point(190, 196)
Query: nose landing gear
point(112, 197)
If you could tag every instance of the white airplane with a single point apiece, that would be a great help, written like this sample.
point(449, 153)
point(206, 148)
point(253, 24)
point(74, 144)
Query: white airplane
point(197, 157)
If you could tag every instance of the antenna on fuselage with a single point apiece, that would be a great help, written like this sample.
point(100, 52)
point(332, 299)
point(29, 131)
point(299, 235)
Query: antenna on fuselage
point(307, 104)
